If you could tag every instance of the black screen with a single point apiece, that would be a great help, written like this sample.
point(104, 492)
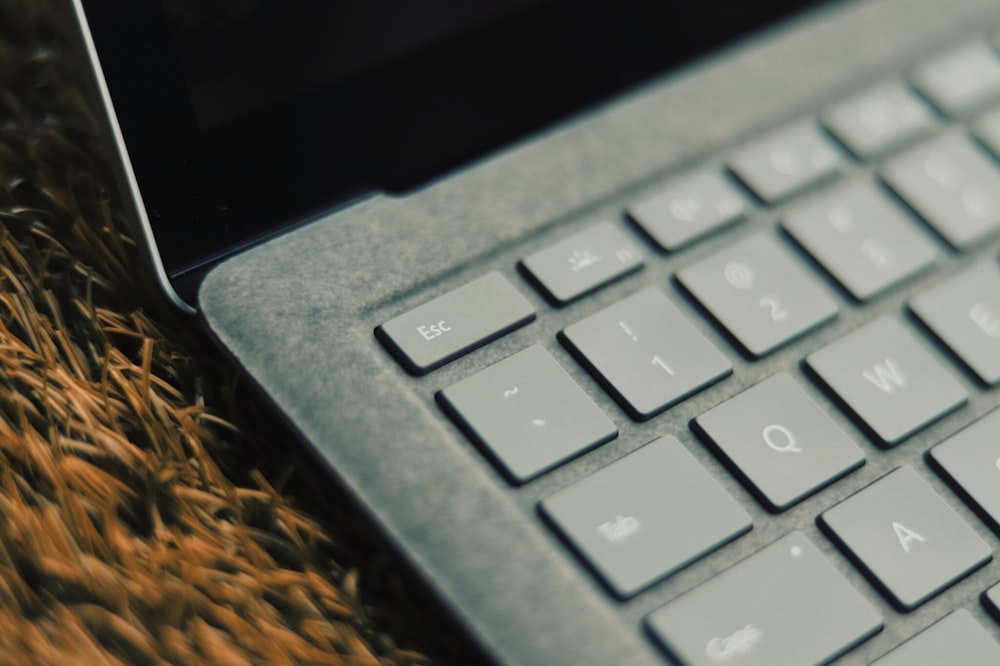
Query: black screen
point(241, 116)
point(230, 71)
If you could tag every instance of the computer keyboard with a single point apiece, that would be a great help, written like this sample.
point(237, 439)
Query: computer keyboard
point(892, 192)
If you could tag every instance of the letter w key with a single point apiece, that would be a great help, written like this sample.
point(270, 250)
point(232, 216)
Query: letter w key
point(893, 385)
point(886, 375)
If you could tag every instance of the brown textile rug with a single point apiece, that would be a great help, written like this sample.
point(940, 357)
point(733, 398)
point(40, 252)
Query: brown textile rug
point(139, 523)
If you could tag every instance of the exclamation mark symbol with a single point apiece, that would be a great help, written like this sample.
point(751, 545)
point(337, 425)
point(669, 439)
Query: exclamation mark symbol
point(628, 331)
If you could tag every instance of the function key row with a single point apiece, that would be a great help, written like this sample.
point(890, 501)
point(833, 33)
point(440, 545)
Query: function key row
point(869, 124)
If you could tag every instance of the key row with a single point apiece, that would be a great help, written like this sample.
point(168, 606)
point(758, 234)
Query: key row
point(529, 415)
point(787, 604)
point(870, 124)
point(783, 447)
point(626, 521)
point(762, 296)
point(625, 518)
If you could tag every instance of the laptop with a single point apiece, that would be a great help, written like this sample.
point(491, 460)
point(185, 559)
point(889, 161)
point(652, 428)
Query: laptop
point(645, 332)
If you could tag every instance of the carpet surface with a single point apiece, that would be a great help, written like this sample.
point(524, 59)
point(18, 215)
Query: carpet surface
point(140, 521)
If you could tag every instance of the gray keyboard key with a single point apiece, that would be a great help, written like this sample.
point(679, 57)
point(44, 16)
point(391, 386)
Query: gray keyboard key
point(965, 313)
point(762, 296)
point(962, 80)
point(867, 243)
point(689, 210)
point(780, 441)
point(971, 461)
point(784, 606)
point(887, 379)
point(905, 538)
point(956, 639)
point(786, 162)
point(952, 185)
point(646, 353)
point(527, 413)
point(583, 262)
point(879, 119)
point(631, 520)
point(449, 326)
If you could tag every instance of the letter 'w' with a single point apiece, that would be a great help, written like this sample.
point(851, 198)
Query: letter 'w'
point(886, 376)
